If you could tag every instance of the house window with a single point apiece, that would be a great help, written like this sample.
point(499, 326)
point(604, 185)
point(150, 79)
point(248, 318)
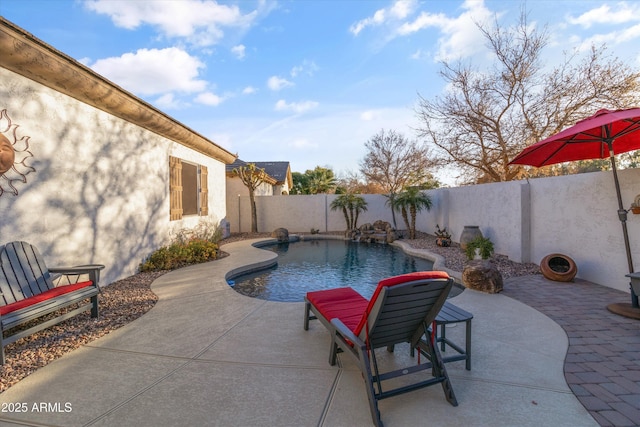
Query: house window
point(188, 189)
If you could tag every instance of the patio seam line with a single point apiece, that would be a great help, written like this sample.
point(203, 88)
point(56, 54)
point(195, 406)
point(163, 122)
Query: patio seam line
point(236, 324)
point(23, 423)
point(134, 396)
point(330, 397)
point(510, 384)
point(211, 361)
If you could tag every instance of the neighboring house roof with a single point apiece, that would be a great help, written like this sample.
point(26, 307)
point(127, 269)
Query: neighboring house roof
point(24, 54)
point(236, 164)
point(280, 172)
point(239, 163)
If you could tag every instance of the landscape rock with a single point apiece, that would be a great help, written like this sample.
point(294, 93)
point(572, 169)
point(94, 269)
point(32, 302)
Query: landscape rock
point(482, 275)
point(282, 234)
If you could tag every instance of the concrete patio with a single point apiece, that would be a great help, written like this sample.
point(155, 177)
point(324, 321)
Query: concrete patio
point(205, 355)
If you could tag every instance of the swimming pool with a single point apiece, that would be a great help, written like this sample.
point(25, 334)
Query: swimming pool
point(313, 265)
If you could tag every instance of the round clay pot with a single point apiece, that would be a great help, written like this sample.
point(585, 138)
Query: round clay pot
point(558, 267)
point(469, 232)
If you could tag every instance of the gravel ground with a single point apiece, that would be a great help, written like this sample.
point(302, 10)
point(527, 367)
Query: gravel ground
point(125, 300)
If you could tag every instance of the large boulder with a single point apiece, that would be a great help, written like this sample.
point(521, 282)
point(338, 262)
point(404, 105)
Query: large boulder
point(366, 228)
point(381, 226)
point(282, 234)
point(482, 275)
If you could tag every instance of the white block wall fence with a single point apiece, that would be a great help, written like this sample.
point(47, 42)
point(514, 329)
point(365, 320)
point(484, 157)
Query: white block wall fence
point(575, 215)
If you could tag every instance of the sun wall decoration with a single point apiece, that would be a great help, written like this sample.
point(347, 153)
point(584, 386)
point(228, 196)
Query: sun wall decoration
point(14, 153)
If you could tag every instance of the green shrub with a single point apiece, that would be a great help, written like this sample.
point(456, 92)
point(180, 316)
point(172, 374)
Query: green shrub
point(483, 243)
point(180, 254)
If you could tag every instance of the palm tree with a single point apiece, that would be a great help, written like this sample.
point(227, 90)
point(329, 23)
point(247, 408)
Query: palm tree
point(321, 180)
point(351, 206)
point(413, 200)
point(358, 205)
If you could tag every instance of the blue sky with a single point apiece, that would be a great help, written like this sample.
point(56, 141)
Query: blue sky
point(306, 81)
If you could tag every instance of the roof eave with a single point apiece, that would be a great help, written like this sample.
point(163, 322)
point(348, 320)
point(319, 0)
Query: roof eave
point(24, 54)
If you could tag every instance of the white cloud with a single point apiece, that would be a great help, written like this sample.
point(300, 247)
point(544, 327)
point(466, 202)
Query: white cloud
point(460, 36)
point(622, 13)
point(368, 116)
point(249, 90)
point(605, 16)
point(302, 144)
point(424, 20)
point(238, 51)
point(419, 54)
point(201, 22)
point(296, 107)
point(209, 98)
point(398, 11)
point(307, 67)
point(402, 9)
point(276, 83)
point(612, 38)
point(168, 101)
point(153, 71)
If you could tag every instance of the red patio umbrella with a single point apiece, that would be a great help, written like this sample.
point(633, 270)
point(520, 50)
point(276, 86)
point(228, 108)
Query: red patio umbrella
point(602, 135)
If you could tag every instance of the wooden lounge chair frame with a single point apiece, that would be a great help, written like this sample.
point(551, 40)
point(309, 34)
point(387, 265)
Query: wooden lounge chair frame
point(402, 309)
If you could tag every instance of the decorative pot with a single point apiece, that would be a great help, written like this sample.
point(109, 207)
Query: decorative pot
point(635, 210)
point(443, 241)
point(469, 233)
point(558, 267)
point(635, 282)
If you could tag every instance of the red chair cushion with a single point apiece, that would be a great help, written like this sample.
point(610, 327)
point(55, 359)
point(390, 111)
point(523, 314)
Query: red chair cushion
point(343, 303)
point(352, 308)
point(392, 281)
point(51, 293)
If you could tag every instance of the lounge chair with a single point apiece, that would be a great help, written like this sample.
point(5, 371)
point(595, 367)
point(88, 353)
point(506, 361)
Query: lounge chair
point(401, 309)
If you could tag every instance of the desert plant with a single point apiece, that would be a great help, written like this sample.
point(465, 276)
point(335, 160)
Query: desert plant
point(442, 232)
point(351, 206)
point(409, 203)
point(443, 237)
point(483, 244)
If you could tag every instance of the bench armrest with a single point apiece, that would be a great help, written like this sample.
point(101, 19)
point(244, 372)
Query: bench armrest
point(79, 269)
point(93, 270)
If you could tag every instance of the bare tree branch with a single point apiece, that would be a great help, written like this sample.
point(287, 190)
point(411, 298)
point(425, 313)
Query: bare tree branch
point(486, 117)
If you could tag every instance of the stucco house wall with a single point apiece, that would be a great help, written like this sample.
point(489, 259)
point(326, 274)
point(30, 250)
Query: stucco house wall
point(93, 185)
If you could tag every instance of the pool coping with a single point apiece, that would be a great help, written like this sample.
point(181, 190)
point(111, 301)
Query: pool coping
point(438, 260)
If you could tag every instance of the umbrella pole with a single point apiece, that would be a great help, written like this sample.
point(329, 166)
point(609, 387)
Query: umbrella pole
point(622, 215)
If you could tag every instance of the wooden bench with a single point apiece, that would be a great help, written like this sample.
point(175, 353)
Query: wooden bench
point(28, 292)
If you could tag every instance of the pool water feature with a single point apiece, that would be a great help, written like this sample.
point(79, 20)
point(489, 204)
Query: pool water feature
point(313, 265)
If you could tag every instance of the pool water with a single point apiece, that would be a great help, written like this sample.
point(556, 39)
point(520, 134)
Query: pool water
point(324, 264)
